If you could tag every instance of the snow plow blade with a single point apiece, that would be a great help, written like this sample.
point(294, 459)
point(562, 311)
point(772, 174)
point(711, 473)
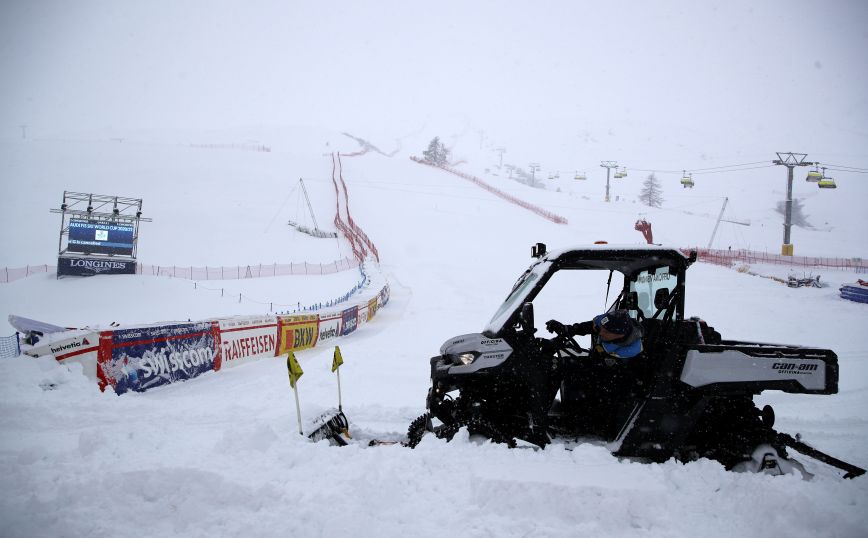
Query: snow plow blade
point(851, 470)
point(334, 426)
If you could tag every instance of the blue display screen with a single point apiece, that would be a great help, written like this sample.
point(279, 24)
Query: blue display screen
point(94, 237)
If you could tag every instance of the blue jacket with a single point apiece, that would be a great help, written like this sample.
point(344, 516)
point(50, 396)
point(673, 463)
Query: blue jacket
point(623, 348)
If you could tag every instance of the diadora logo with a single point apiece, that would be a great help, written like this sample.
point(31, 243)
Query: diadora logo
point(794, 368)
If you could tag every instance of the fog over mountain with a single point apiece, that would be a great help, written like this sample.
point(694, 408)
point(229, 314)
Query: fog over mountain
point(658, 82)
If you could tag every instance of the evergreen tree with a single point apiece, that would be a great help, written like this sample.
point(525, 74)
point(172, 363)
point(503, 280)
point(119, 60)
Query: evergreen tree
point(798, 217)
point(436, 152)
point(651, 193)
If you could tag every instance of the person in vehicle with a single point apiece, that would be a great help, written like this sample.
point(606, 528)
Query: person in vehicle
point(613, 334)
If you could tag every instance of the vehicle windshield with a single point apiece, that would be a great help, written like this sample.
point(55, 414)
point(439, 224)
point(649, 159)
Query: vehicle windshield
point(647, 286)
point(516, 298)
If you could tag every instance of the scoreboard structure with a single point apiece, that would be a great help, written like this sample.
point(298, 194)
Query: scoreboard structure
point(98, 234)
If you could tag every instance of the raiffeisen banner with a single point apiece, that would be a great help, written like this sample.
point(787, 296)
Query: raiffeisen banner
point(297, 332)
point(147, 357)
point(247, 338)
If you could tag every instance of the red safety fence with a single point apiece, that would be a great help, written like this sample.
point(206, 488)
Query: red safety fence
point(557, 219)
point(358, 239)
point(238, 272)
point(233, 272)
point(11, 274)
point(727, 258)
point(242, 147)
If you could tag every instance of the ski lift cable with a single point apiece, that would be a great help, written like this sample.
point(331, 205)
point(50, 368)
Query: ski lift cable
point(846, 170)
point(279, 209)
point(734, 170)
point(830, 166)
point(699, 169)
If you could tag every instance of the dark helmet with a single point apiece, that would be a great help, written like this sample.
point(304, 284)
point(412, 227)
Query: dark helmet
point(617, 322)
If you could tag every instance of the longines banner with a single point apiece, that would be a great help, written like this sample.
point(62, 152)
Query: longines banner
point(68, 266)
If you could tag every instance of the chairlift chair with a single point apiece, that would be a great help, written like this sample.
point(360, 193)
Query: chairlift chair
point(826, 182)
point(814, 175)
point(687, 180)
point(581, 176)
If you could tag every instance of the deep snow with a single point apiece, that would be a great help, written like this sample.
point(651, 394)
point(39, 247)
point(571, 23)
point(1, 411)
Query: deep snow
point(220, 454)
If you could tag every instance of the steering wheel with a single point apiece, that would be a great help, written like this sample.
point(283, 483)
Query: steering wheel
point(563, 341)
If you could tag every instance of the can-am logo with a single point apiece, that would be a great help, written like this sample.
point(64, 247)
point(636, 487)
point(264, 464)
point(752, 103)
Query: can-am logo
point(793, 368)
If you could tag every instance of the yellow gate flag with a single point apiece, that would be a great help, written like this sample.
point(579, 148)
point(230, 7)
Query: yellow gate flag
point(294, 369)
point(338, 359)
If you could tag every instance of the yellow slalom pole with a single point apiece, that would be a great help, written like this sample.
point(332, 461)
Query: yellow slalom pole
point(336, 367)
point(294, 370)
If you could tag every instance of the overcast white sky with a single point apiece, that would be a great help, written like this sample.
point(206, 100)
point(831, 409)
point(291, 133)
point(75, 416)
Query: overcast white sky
point(793, 75)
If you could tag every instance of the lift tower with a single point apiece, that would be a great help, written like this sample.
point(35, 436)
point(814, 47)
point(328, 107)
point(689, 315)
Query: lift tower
point(790, 160)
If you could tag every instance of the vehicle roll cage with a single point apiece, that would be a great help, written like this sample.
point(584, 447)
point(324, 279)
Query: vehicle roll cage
point(629, 261)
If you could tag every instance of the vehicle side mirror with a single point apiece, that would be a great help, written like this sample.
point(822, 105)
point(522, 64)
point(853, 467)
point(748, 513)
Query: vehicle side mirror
point(525, 318)
point(661, 298)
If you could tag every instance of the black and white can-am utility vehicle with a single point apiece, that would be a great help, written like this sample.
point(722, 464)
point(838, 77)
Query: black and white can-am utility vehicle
point(688, 395)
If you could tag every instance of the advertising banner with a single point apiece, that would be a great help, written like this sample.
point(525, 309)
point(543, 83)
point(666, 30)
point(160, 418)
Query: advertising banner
point(142, 358)
point(72, 266)
point(297, 332)
point(245, 339)
point(384, 296)
point(100, 237)
point(349, 320)
point(329, 327)
point(77, 348)
point(372, 308)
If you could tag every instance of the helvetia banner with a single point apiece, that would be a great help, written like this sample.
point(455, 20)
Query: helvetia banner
point(70, 266)
point(329, 327)
point(143, 358)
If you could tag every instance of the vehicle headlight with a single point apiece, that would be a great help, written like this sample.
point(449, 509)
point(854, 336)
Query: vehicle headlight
point(464, 358)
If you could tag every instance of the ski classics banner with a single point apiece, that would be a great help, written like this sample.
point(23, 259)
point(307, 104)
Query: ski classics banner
point(245, 339)
point(148, 357)
point(297, 332)
point(349, 320)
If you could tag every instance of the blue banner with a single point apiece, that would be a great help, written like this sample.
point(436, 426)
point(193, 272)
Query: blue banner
point(149, 357)
point(70, 266)
point(100, 237)
point(349, 320)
